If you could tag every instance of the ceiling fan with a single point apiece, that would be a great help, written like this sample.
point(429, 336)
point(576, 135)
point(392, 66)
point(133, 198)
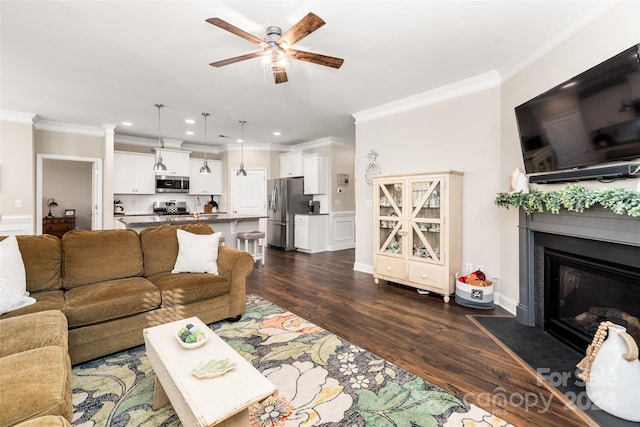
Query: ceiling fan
point(276, 49)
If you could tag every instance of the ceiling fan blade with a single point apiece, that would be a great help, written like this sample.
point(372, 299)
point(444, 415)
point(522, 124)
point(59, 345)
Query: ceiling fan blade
point(280, 75)
point(237, 31)
point(303, 28)
point(236, 59)
point(316, 58)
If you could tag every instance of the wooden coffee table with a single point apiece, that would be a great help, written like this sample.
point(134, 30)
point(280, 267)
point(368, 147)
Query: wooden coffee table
point(222, 400)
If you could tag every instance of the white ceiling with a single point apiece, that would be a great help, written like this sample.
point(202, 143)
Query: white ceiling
point(96, 62)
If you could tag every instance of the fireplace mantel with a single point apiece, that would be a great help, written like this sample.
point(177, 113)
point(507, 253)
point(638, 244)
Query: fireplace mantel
point(594, 224)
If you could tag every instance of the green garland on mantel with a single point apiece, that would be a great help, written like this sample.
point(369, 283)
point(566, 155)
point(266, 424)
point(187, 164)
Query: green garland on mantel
point(573, 198)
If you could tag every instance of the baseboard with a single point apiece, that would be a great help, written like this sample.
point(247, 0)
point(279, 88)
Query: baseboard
point(340, 247)
point(365, 268)
point(505, 302)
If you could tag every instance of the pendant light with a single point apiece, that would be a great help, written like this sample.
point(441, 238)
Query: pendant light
point(159, 166)
point(205, 169)
point(241, 171)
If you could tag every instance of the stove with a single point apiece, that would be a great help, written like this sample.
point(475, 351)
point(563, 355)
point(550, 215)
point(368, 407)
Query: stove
point(170, 208)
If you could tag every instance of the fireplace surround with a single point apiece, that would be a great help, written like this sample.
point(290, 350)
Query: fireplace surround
point(578, 269)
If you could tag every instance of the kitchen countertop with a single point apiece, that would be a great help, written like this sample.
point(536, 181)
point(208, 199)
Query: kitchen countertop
point(150, 220)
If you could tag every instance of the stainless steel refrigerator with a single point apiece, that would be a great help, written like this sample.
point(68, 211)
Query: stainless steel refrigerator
point(285, 199)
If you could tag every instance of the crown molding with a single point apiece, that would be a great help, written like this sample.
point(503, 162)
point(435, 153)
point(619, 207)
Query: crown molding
point(135, 140)
point(321, 142)
point(468, 86)
point(21, 117)
point(69, 128)
point(567, 29)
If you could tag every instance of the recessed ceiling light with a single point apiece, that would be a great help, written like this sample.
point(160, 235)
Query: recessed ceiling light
point(276, 133)
point(126, 124)
point(570, 84)
point(189, 121)
point(189, 132)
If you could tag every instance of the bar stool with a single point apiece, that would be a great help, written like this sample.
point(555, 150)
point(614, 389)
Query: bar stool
point(257, 237)
point(221, 241)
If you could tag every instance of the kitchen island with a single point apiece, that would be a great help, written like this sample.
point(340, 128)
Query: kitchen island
point(228, 224)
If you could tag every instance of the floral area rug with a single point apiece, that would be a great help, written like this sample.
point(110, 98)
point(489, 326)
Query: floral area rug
point(321, 380)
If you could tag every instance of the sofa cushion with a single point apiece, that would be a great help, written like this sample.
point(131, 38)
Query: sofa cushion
point(13, 281)
point(45, 300)
point(33, 330)
point(186, 288)
point(97, 256)
point(160, 246)
point(42, 256)
point(110, 300)
point(35, 383)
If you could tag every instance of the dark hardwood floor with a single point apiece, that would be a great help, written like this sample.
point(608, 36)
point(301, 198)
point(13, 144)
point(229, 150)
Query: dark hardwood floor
point(422, 334)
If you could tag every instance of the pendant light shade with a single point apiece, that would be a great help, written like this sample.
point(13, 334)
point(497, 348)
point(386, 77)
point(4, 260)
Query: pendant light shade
point(205, 169)
point(241, 171)
point(159, 166)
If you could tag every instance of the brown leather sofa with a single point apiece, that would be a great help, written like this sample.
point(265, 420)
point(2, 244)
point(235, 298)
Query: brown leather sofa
point(111, 284)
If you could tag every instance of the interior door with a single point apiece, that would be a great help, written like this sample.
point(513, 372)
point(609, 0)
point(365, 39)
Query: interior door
point(249, 193)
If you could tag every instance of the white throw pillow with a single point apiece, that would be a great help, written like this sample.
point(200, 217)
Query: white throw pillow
point(197, 253)
point(13, 280)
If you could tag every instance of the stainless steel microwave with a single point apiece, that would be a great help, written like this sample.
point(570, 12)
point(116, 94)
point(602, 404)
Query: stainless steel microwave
point(172, 184)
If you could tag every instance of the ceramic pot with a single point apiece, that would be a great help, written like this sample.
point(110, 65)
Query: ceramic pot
point(615, 375)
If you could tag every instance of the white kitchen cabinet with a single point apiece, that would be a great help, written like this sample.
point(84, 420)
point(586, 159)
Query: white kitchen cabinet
point(133, 173)
point(176, 161)
point(205, 184)
point(316, 174)
point(291, 164)
point(417, 230)
point(310, 233)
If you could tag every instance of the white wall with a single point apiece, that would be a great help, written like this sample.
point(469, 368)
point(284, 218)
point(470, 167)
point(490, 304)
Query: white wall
point(460, 134)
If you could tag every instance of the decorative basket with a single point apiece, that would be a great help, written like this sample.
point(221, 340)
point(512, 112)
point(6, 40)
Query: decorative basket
point(474, 296)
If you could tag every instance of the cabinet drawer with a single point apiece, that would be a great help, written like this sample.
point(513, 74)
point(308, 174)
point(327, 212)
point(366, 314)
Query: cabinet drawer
point(391, 267)
point(58, 227)
point(428, 275)
point(59, 220)
point(302, 218)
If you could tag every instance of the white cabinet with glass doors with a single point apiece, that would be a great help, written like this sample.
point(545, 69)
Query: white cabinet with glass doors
point(417, 230)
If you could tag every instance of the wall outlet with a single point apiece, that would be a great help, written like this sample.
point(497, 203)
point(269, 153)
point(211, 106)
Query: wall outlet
point(468, 268)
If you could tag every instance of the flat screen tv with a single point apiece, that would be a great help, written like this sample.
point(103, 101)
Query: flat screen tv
point(592, 119)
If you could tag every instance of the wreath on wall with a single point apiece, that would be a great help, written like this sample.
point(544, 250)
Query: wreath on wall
point(572, 198)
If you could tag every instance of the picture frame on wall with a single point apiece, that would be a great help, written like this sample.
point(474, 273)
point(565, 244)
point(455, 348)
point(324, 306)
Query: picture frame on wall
point(69, 212)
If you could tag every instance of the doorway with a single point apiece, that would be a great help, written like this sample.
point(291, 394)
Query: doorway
point(85, 175)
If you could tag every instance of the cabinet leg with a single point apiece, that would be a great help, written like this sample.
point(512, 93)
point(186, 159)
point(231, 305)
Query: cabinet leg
point(447, 298)
point(376, 280)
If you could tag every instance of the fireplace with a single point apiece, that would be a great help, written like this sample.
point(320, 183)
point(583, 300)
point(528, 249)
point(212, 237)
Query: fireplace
point(578, 269)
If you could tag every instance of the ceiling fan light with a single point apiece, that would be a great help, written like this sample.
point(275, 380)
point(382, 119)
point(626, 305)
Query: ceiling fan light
point(265, 59)
point(284, 62)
